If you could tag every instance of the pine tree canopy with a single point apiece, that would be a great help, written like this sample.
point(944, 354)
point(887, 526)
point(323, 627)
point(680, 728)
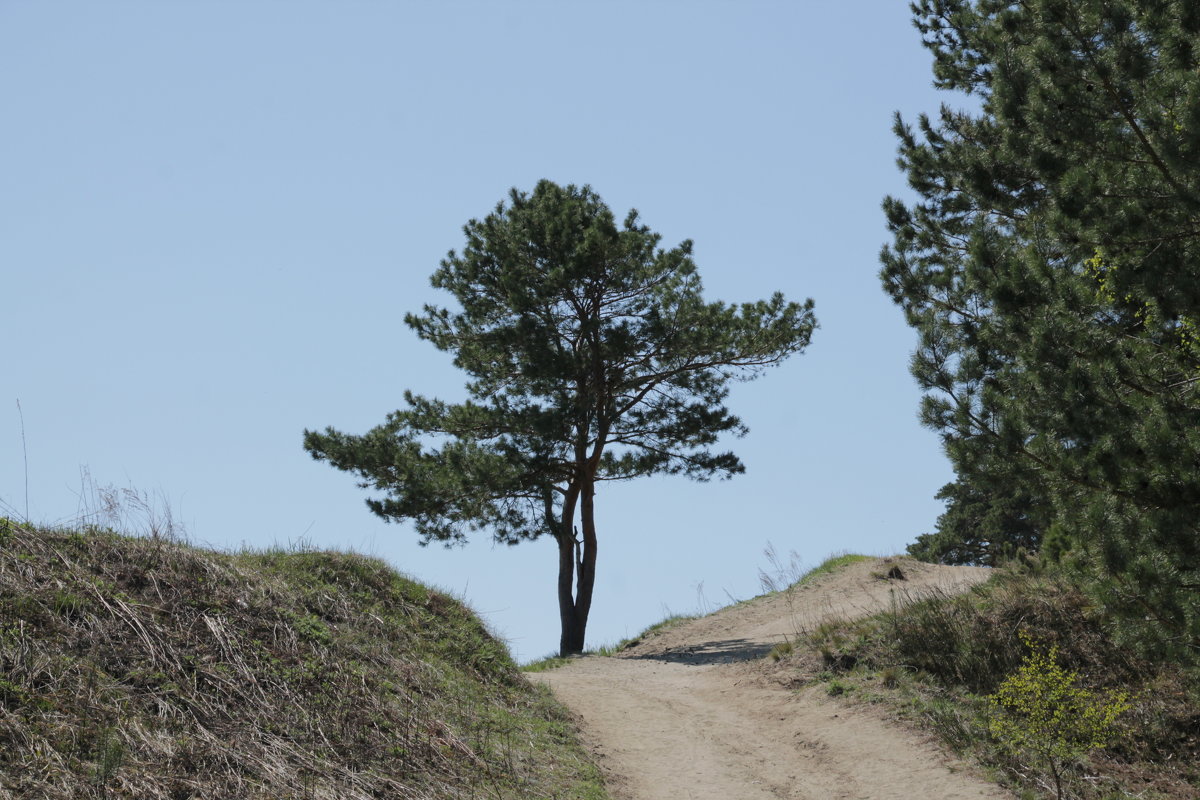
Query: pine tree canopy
point(591, 357)
point(985, 522)
point(1051, 266)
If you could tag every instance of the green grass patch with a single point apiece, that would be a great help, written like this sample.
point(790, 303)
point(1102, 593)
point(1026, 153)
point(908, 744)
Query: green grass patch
point(828, 566)
point(547, 663)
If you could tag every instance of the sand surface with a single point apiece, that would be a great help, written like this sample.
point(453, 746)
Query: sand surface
point(692, 714)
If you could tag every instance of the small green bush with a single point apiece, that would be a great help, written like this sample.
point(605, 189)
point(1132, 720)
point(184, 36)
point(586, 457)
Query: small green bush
point(1041, 710)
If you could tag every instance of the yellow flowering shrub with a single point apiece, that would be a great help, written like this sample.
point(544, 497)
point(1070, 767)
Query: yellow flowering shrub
point(1042, 710)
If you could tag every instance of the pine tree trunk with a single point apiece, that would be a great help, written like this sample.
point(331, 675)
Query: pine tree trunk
point(571, 640)
point(572, 624)
point(576, 560)
point(587, 559)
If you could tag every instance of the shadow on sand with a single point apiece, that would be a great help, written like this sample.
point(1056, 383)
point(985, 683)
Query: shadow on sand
point(724, 651)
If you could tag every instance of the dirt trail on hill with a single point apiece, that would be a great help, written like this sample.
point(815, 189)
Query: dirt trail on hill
point(692, 713)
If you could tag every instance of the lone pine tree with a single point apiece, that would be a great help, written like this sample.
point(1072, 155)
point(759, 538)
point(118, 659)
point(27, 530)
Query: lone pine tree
point(592, 357)
point(1051, 266)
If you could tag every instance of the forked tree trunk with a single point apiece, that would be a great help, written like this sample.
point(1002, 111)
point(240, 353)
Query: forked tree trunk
point(586, 563)
point(573, 625)
point(576, 565)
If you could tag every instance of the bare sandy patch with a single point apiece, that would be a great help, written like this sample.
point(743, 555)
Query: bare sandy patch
point(683, 714)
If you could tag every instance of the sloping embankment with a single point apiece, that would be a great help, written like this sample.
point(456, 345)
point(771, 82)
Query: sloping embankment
point(146, 668)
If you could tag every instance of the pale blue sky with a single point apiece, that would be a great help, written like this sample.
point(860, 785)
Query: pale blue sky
point(213, 216)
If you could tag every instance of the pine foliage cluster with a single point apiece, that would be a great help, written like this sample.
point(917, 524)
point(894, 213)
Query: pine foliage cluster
point(1051, 265)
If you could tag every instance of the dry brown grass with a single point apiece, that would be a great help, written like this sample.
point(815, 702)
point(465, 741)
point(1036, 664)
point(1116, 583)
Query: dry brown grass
point(142, 667)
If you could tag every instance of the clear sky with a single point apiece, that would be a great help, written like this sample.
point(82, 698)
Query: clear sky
point(213, 216)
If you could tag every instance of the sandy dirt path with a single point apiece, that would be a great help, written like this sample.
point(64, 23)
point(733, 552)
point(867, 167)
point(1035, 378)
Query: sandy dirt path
point(688, 714)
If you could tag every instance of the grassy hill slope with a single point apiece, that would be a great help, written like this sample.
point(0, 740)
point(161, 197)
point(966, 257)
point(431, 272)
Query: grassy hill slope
point(147, 668)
